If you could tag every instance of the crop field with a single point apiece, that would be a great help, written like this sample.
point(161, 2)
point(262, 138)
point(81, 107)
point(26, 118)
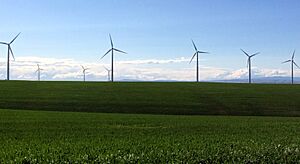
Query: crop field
point(57, 137)
point(153, 98)
point(75, 122)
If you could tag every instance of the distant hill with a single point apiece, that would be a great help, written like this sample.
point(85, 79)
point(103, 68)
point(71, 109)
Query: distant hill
point(267, 80)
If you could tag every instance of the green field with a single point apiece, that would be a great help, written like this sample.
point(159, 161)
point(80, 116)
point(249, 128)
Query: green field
point(57, 137)
point(153, 98)
point(162, 123)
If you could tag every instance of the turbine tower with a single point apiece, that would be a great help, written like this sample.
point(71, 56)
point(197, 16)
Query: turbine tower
point(112, 57)
point(197, 54)
point(249, 63)
point(83, 71)
point(108, 73)
point(9, 50)
point(39, 72)
point(292, 65)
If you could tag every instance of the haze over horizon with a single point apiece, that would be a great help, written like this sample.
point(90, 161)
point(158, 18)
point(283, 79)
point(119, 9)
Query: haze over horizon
point(62, 35)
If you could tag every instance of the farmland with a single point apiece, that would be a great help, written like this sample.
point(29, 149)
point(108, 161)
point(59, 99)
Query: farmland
point(153, 98)
point(57, 122)
point(57, 137)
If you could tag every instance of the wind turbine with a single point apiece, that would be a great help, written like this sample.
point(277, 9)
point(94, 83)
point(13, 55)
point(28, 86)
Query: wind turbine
point(197, 54)
point(112, 57)
point(39, 72)
point(292, 65)
point(108, 73)
point(9, 50)
point(249, 63)
point(83, 71)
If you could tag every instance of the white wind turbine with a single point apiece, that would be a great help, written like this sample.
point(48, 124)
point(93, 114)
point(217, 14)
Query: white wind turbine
point(292, 65)
point(197, 60)
point(38, 71)
point(84, 72)
point(249, 63)
point(9, 51)
point(108, 73)
point(112, 49)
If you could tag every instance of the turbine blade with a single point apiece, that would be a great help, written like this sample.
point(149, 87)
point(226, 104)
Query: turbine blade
point(296, 64)
point(106, 68)
point(194, 45)
point(193, 57)
point(245, 52)
point(111, 42)
point(12, 54)
point(293, 54)
point(119, 51)
point(286, 61)
point(14, 39)
point(254, 54)
point(3, 43)
point(105, 53)
point(203, 52)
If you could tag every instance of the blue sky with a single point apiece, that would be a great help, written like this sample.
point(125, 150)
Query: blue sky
point(154, 29)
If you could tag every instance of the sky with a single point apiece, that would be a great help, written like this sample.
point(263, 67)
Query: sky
point(61, 35)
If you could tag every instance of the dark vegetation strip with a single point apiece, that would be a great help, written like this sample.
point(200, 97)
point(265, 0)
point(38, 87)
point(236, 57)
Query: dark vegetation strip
point(178, 98)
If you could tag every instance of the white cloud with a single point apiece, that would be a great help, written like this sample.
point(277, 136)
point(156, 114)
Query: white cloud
point(256, 73)
point(147, 70)
point(156, 61)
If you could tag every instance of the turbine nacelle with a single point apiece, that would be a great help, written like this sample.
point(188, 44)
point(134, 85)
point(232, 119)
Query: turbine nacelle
point(106, 68)
point(8, 44)
point(11, 40)
point(112, 49)
point(84, 69)
point(197, 52)
point(292, 60)
point(39, 69)
point(249, 57)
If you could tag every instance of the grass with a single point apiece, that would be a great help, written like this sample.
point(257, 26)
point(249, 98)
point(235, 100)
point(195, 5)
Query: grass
point(45, 134)
point(71, 137)
point(153, 98)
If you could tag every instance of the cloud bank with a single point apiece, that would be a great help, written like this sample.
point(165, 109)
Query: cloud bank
point(178, 69)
